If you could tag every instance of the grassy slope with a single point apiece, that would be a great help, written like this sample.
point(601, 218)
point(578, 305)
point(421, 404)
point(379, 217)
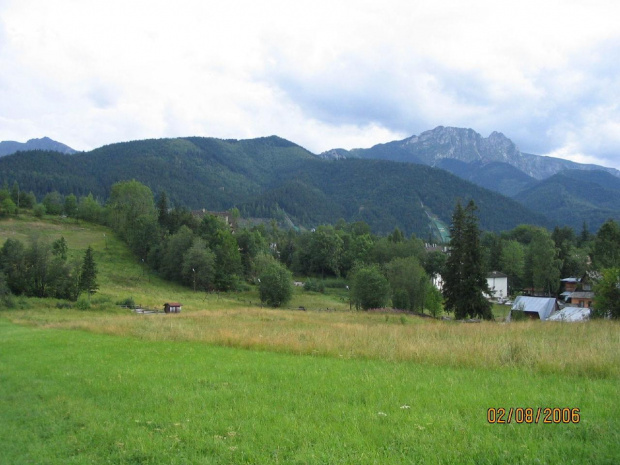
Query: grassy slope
point(315, 387)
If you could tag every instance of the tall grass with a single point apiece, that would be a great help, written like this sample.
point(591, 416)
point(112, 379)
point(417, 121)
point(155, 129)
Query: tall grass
point(590, 349)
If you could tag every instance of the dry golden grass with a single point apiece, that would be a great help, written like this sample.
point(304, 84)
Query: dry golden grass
point(584, 349)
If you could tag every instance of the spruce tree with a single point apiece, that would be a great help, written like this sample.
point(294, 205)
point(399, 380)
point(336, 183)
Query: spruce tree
point(88, 275)
point(465, 280)
point(452, 278)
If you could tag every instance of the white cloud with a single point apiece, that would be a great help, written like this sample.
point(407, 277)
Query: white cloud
point(323, 74)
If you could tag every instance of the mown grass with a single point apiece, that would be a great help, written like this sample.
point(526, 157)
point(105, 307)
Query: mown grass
point(78, 397)
point(227, 381)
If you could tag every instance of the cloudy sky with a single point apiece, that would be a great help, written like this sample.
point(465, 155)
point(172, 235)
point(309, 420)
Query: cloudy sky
point(323, 74)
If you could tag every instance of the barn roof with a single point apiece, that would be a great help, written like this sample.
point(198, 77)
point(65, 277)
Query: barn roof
point(544, 306)
point(571, 314)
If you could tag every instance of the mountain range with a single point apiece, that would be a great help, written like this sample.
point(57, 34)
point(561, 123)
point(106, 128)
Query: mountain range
point(567, 193)
point(269, 177)
point(441, 144)
point(45, 143)
point(404, 184)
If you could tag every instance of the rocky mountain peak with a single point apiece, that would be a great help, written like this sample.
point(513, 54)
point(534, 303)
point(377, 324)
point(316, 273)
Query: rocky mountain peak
point(460, 144)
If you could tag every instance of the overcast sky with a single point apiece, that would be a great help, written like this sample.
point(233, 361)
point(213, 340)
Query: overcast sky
point(323, 74)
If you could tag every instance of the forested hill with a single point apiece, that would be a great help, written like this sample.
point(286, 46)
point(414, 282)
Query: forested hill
point(574, 197)
point(267, 177)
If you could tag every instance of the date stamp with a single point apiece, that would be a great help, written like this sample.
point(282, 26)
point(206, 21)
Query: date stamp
point(529, 415)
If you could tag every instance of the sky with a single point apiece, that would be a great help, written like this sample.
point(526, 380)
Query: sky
point(322, 74)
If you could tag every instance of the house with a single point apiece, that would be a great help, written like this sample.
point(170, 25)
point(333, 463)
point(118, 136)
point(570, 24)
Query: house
point(570, 284)
point(172, 307)
point(534, 308)
point(498, 283)
point(571, 314)
point(578, 291)
point(583, 299)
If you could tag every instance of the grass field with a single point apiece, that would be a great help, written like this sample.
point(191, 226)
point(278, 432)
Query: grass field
point(227, 381)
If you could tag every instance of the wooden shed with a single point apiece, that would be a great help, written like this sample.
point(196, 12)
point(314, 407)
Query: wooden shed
point(172, 307)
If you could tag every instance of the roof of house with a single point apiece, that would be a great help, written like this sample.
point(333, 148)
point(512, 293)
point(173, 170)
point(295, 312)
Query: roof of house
point(496, 274)
point(570, 280)
point(571, 314)
point(544, 306)
point(582, 295)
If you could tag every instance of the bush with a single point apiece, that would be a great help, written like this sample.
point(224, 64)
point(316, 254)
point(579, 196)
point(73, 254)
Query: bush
point(83, 303)
point(128, 302)
point(370, 289)
point(314, 285)
point(6, 298)
point(39, 210)
point(276, 285)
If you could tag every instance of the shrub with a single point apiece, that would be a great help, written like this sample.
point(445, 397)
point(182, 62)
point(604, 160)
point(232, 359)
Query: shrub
point(39, 210)
point(370, 289)
point(128, 302)
point(83, 303)
point(314, 285)
point(276, 285)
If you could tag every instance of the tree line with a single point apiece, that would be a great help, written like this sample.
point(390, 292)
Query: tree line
point(206, 254)
point(42, 269)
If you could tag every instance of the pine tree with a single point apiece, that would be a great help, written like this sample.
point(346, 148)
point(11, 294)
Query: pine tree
point(465, 280)
point(452, 278)
point(88, 275)
point(163, 216)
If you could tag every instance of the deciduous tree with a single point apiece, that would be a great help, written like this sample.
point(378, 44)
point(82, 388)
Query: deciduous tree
point(607, 292)
point(276, 285)
point(369, 288)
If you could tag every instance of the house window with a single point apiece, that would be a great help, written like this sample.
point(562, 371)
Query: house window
point(581, 303)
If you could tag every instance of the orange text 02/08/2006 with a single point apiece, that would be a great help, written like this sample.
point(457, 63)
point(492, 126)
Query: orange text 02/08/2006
point(529, 415)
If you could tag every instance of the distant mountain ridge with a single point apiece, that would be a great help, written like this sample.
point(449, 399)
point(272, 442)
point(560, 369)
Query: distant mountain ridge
point(45, 143)
point(566, 192)
point(573, 197)
point(466, 145)
point(269, 177)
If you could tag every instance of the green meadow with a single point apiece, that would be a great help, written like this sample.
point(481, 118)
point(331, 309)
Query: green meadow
point(229, 382)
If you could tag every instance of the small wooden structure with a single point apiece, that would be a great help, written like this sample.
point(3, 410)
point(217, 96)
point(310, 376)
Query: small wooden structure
point(172, 307)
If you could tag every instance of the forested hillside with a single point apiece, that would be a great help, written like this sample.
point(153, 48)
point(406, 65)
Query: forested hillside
point(573, 197)
point(267, 177)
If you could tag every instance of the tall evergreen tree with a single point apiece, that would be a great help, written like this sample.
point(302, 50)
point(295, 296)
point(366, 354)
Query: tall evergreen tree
point(15, 194)
point(88, 274)
point(465, 280)
point(163, 216)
